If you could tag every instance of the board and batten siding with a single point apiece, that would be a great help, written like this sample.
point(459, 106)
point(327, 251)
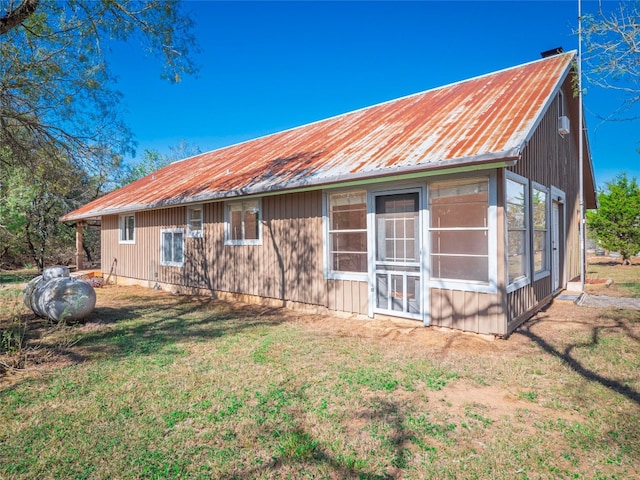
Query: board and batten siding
point(468, 311)
point(551, 159)
point(287, 266)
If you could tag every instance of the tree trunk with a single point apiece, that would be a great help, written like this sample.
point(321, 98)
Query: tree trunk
point(15, 17)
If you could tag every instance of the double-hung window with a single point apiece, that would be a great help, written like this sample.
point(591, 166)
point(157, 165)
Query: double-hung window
point(347, 217)
point(243, 223)
point(194, 221)
point(460, 232)
point(539, 201)
point(517, 235)
point(172, 247)
point(127, 228)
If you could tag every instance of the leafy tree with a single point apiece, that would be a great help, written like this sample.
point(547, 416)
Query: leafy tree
point(616, 223)
point(32, 201)
point(611, 57)
point(61, 134)
point(55, 90)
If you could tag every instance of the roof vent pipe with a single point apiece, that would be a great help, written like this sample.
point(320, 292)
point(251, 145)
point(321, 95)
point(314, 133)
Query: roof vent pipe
point(552, 52)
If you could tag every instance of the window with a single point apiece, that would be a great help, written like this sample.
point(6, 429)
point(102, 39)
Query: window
point(459, 229)
point(540, 231)
point(243, 223)
point(517, 238)
point(348, 232)
point(127, 229)
point(172, 247)
point(194, 221)
point(397, 228)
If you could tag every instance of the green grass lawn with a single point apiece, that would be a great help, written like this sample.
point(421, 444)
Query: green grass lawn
point(626, 278)
point(161, 386)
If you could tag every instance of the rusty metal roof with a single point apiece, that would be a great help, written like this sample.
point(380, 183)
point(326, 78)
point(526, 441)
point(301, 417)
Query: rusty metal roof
point(486, 118)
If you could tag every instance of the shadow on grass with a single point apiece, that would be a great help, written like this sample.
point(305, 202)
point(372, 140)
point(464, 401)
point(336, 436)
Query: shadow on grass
point(152, 327)
point(148, 329)
point(300, 452)
point(566, 352)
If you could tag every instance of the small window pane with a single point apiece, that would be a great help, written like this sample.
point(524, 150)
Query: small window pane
point(178, 247)
point(456, 267)
point(195, 221)
point(166, 246)
point(540, 250)
point(461, 215)
point(515, 204)
point(470, 242)
point(382, 287)
point(235, 221)
point(517, 255)
point(349, 262)
point(251, 223)
point(539, 209)
point(349, 242)
point(127, 228)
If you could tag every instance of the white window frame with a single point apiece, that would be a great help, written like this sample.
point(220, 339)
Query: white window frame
point(465, 285)
point(227, 222)
point(545, 271)
point(326, 228)
point(195, 233)
point(171, 263)
point(122, 222)
point(526, 279)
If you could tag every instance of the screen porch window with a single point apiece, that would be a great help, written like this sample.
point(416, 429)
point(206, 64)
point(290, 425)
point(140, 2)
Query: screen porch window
point(517, 248)
point(194, 221)
point(243, 223)
point(348, 232)
point(127, 229)
point(459, 229)
point(540, 230)
point(172, 247)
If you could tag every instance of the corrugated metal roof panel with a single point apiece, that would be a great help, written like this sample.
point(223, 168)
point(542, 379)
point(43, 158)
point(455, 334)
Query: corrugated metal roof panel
point(490, 116)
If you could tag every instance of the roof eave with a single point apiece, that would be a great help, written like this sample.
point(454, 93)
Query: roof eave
point(478, 162)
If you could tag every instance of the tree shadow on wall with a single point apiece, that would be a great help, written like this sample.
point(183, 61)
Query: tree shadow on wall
point(286, 266)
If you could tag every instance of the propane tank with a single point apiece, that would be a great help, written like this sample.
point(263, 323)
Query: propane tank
point(57, 296)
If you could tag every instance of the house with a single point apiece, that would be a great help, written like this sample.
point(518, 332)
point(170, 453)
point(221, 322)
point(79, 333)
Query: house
point(456, 207)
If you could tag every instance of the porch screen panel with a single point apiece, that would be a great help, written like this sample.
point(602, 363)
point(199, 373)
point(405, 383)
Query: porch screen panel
point(348, 232)
point(459, 213)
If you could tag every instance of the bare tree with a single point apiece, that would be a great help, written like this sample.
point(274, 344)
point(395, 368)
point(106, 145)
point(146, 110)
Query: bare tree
point(611, 57)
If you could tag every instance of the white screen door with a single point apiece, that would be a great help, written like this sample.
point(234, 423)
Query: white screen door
point(397, 254)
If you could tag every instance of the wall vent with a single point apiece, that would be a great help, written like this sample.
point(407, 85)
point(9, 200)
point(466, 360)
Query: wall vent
point(563, 125)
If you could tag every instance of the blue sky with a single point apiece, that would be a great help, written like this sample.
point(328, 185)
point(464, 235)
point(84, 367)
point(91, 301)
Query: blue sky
point(269, 66)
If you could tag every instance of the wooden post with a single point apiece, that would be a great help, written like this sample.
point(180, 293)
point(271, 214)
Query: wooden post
point(79, 246)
